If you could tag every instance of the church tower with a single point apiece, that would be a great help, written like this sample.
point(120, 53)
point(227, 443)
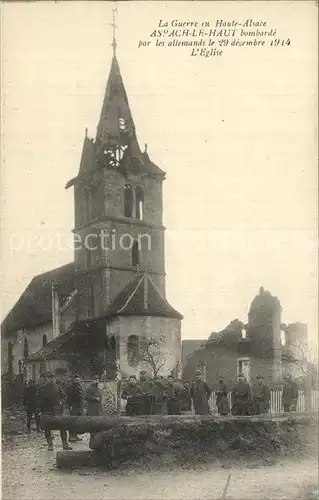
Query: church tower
point(119, 234)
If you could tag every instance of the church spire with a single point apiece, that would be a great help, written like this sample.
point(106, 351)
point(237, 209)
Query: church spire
point(116, 134)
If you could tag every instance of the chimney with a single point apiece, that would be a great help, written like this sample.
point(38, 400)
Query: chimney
point(145, 291)
point(56, 314)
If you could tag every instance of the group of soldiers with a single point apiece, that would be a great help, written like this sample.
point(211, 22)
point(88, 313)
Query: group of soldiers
point(148, 396)
point(49, 398)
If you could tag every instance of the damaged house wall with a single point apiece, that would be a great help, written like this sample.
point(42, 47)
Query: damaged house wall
point(259, 342)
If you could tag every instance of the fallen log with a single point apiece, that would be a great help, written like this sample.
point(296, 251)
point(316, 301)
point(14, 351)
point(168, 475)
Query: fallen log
point(81, 458)
point(86, 424)
point(184, 439)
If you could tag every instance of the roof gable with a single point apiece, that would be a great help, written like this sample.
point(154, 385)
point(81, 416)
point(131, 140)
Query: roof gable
point(141, 297)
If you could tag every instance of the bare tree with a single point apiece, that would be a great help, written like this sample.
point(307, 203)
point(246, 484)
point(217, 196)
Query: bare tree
point(151, 353)
point(308, 366)
point(305, 362)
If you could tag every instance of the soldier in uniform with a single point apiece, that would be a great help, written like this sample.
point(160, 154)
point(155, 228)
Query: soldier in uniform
point(186, 400)
point(51, 399)
point(200, 394)
point(173, 397)
point(241, 397)
point(289, 394)
point(222, 397)
point(93, 397)
point(75, 402)
point(261, 394)
point(148, 399)
point(30, 401)
point(132, 394)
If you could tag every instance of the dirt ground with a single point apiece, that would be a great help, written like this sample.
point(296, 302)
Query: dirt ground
point(29, 473)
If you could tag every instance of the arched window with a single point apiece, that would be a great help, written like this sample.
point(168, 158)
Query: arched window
point(139, 201)
point(25, 348)
point(243, 334)
point(88, 204)
point(133, 350)
point(44, 340)
point(113, 343)
point(128, 200)
point(10, 359)
point(135, 254)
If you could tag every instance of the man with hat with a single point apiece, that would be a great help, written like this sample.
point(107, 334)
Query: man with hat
point(75, 402)
point(290, 394)
point(30, 401)
point(93, 397)
point(241, 397)
point(200, 394)
point(172, 395)
point(133, 396)
point(186, 400)
point(146, 388)
point(51, 398)
point(222, 397)
point(261, 394)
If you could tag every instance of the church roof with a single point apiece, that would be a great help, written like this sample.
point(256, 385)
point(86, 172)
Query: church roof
point(79, 330)
point(141, 297)
point(34, 307)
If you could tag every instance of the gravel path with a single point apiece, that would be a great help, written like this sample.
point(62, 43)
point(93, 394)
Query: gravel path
point(29, 473)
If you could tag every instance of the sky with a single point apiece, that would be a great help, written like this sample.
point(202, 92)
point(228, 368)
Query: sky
point(235, 133)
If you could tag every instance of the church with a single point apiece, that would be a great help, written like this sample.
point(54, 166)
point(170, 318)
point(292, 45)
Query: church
point(94, 315)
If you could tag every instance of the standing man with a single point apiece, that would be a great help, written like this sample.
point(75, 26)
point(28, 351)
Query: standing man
point(148, 398)
point(200, 394)
point(42, 380)
point(30, 401)
point(290, 394)
point(68, 390)
point(75, 402)
point(186, 400)
point(222, 397)
point(50, 398)
point(241, 397)
point(261, 394)
point(132, 394)
point(172, 394)
point(94, 398)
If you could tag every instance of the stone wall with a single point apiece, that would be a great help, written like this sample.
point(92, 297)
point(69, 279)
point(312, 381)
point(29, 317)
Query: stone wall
point(34, 337)
point(221, 361)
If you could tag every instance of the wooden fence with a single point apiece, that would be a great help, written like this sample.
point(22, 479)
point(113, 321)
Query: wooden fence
point(276, 402)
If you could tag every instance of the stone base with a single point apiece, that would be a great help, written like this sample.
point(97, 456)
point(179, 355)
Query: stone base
point(82, 458)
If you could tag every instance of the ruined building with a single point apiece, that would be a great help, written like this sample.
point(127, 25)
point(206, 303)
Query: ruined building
point(263, 346)
point(91, 315)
